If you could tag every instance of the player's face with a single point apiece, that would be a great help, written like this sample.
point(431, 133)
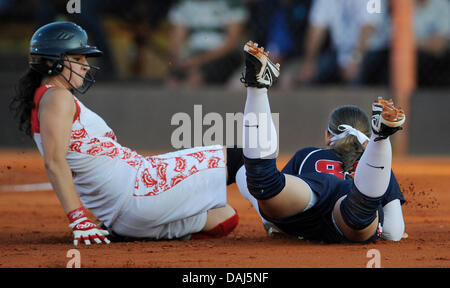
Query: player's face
point(79, 66)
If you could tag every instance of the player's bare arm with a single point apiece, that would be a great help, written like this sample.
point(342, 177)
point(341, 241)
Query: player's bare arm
point(56, 112)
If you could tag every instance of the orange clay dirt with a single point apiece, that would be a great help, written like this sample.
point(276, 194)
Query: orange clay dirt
point(34, 229)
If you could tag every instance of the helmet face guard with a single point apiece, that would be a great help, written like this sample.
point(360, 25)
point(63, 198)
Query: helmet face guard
point(88, 79)
point(52, 43)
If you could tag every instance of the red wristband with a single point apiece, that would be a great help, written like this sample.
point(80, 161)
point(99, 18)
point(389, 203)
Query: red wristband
point(76, 214)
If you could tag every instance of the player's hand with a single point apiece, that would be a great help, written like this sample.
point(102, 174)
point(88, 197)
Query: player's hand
point(84, 230)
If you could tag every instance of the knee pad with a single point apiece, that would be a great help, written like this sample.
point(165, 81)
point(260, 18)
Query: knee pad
point(359, 210)
point(235, 160)
point(264, 181)
point(220, 230)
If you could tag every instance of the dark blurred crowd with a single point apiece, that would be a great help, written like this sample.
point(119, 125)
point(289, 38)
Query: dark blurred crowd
point(316, 42)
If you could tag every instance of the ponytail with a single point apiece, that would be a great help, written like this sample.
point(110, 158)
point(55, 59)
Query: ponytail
point(349, 150)
point(23, 101)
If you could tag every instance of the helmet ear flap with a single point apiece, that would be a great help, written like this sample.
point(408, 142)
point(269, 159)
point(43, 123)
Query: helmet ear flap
point(56, 68)
point(46, 66)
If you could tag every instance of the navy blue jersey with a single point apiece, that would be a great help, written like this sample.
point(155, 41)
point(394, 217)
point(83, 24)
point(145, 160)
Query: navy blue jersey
point(316, 160)
point(322, 170)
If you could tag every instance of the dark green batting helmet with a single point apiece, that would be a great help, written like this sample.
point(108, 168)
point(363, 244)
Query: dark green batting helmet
point(51, 44)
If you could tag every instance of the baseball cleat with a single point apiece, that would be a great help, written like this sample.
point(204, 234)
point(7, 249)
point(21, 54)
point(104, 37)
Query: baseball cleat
point(259, 71)
point(271, 230)
point(386, 118)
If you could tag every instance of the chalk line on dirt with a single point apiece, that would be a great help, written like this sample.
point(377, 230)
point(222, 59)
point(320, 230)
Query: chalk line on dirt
point(26, 187)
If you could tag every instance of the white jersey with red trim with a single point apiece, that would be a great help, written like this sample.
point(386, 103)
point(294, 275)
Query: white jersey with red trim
point(106, 174)
point(97, 161)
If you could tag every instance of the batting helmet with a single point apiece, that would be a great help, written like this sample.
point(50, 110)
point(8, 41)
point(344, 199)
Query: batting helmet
point(50, 46)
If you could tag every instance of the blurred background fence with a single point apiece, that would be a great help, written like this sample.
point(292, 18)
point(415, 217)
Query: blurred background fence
point(164, 57)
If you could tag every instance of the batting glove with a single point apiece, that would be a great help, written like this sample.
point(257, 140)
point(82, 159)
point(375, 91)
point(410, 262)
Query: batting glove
point(84, 229)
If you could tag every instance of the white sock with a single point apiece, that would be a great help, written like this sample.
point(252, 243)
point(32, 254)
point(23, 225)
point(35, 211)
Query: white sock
point(241, 182)
point(393, 223)
point(373, 172)
point(260, 139)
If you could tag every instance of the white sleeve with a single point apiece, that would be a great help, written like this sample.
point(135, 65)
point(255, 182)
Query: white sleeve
point(319, 15)
point(393, 224)
point(237, 14)
point(442, 15)
point(177, 14)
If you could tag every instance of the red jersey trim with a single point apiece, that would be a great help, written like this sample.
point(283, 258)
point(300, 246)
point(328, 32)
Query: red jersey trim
point(35, 126)
point(77, 113)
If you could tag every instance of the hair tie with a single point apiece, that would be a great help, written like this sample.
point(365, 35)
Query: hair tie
point(345, 131)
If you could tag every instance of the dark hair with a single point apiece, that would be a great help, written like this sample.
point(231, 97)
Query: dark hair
point(23, 101)
point(348, 148)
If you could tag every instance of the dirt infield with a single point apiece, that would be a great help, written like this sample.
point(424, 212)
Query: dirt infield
point(34, 231)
